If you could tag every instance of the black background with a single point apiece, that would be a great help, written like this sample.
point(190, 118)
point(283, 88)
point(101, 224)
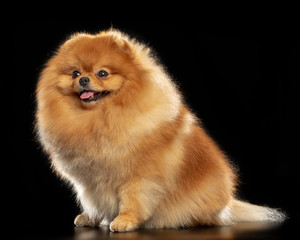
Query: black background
point(241, 80)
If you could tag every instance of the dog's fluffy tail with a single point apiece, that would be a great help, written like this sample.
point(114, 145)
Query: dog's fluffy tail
point(239, 211)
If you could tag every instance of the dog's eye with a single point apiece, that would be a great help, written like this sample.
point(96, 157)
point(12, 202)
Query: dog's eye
point(75, 74)
point(102, 74)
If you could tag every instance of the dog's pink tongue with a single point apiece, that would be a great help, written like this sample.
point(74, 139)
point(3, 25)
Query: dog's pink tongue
point(86, 95)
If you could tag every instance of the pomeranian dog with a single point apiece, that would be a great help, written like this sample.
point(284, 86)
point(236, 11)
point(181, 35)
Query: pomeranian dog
point(116, 128)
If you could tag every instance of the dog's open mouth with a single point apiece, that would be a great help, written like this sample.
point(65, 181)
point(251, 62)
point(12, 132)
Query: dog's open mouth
point(89, 96)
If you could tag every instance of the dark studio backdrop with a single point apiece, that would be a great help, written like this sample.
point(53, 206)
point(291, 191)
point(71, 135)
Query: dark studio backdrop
point(241, 81)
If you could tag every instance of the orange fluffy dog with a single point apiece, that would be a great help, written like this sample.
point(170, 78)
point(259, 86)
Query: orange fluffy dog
point(116, 128)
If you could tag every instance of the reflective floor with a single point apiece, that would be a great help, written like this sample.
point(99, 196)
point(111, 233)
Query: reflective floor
point(238, 231)
point(64, 230)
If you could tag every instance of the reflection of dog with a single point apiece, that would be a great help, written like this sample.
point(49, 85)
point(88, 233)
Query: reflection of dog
point(116, 129)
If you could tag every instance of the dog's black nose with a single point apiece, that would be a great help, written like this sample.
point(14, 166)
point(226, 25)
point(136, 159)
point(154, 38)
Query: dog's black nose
point(84, 81)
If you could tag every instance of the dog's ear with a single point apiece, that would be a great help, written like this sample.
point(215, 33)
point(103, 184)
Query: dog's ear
point(124, 46)
point(120, 41)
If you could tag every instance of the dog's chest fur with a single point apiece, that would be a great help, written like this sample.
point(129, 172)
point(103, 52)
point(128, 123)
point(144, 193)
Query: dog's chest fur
point(96, 186)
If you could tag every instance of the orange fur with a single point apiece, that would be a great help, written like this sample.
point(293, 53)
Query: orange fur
point(137, 157)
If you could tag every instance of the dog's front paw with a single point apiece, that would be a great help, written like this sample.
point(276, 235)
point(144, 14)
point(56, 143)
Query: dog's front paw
point(123, 224)
point(82, 220)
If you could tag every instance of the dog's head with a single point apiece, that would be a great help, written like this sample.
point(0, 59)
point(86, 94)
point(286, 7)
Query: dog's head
point(92, 68)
